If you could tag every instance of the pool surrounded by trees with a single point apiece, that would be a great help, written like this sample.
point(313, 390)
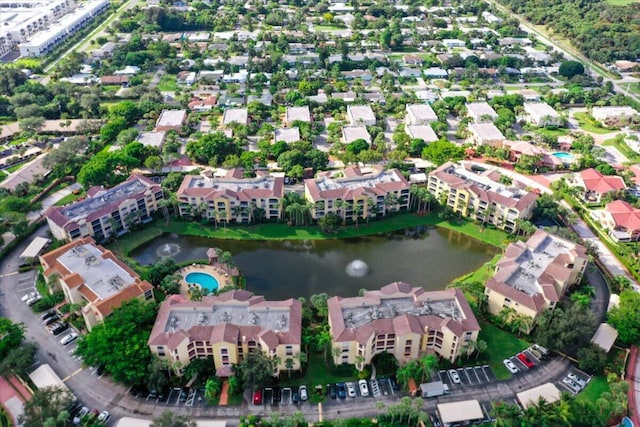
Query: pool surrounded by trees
point(206, 281)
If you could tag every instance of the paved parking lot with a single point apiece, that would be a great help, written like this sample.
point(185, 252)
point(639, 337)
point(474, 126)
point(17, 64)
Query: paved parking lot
point(469, 376)
point(574, 381)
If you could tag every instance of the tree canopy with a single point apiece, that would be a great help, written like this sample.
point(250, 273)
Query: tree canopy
point(442, 151)
point(626, 317)
point(47, 407)
point(11, 335)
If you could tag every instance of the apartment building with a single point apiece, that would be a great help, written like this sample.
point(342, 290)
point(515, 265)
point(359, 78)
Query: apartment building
point(402, 320)
point(106, 212)
point(93, 277)
point(476, 192)
point(532, 276)
point(360, 193)
point(226, 328)
point(231, 197)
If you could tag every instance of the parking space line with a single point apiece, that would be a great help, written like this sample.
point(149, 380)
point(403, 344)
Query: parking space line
point(476, 374)
point(485, 372)
point(465, 373)
point(8, 274)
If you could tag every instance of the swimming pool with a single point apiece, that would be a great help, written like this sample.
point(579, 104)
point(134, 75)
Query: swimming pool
point(564, 156)
point(204, 280)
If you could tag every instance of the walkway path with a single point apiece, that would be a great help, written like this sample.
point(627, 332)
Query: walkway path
point(224, 394)
point(51, 200)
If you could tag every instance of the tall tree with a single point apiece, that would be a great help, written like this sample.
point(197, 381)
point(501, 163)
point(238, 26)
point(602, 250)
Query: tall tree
point(169, 419)
point(44, 407)
point(256, 370)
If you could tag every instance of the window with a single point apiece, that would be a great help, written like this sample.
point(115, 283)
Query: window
point(161, 351)
point(289, 350)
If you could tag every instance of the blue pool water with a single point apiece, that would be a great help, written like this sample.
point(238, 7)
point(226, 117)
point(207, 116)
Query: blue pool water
point(206, 281)
point(563, 156)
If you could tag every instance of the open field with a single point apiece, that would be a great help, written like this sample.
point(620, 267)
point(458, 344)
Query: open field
point(588, 125)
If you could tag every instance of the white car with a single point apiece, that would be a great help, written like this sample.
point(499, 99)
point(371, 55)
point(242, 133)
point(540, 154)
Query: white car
point(28, 296)
point(303, 393)
point(80, 415)
point(68, 339)
point(510, 366)
point(351, 390)
point(104, 416)
point(455, 378)
point(576, 379)
point(364, 388)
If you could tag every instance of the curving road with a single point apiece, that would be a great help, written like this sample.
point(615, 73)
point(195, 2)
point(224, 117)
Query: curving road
point(101, 393)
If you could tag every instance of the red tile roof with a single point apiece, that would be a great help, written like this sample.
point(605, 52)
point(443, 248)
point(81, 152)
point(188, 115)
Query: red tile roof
point(596, 182)
point(624, 215)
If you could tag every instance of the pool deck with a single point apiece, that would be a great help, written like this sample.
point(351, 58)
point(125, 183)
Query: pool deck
point(218, 271)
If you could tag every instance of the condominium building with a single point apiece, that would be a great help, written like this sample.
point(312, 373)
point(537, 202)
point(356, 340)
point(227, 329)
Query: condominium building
point(402, 320)
point(106, 212)
point(226, 328)
point(476, 192)
point(360, 193)
point(614, 116)
point(93, 277)
point(532, 276)
point(231, 197)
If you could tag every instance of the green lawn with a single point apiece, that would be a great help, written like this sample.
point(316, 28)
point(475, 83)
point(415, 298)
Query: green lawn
point(328, 27)
point(12, 169)
point(168, 83)
point(623, 148)
point(281, 231)
point(552, 132)
point(501, 345)
point(620, 2)
point(594, 389)
point(69, 198)
point(587, 124)
point(317, 373)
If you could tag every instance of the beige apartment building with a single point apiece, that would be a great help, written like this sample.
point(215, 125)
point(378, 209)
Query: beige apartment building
point(231, 197)
point(359, 193)
point(226, 328)
point(402, 320)
point(478, 193)
point(93, 277)
point(532, 276)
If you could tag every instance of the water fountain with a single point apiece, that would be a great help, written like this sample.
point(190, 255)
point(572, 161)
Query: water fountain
point(357, 268)
point(168, 250)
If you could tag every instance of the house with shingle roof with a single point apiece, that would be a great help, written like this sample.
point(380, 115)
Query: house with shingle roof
point(402, 320)
point(231, 196)
point(92, 276)
point(532, 276)
point(362, 192)
point(226, 328)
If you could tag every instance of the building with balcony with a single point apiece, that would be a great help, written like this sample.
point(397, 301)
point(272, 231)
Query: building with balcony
point(359, 194)
point(402, 320)
point(594, 185)
point(231, 197)
point(476, 192)
point(93, 277)
point(106, 212)
point(225, 329)
point(532, 276)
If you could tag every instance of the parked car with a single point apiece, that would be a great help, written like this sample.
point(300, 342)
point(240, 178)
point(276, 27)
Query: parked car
point(525, 360)
point(364, 388)
point(351, 390)
point(49, 314)
point(68, 339)
point(277, 395)
point(104, 416)
point(341, 391)
point(295, 398)
point(28, 296)
point(80, 415)
point(332, 391)
point(571, 384)
point(573, 377)
point(303, 393)
point(60, 328)
point(183, 395)
point(455, 378)
point(435, 421)
point(51, 320)
point(257, 397)
point(511, 367)
point(33, 300)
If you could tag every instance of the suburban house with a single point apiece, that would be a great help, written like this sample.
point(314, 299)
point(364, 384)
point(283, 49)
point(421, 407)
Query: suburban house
point(151, 139)
point(614, 116)
point(532, 276)
point(360, 115)
point(297, 114)
point(231, 197)
point(481, 112)
point(360, 193)
point(352, 133)
point(171, 120)
point(594, 185)
point(235, 115)
point(517, 149)
point(423, 132)
point(622, 220)
point(287, 135)
point(227, 328)
point(402, 320)
point(91, 276)
point(106, 212)
point(480, 195)
point(420, 114)
point(541, 114)
point(485, 134)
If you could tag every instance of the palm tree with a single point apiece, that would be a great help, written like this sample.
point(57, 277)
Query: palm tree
point(357, 211)
point(341, 206)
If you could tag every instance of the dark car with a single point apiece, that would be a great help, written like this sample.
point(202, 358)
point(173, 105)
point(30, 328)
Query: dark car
point(296, 398)
point(138, 391)
point(332, 391)
point(183, 395)
point(73, 408)
point(394, 384)
point(51, 320)
point(277, 395)
point(49, 314)
point(60, 329)
point(342, 390)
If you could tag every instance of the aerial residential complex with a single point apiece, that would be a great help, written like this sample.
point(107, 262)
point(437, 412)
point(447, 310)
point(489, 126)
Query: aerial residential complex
point(54, 31)
point(93, 277)
point(359, 193)
point(593, 184)
point(231, 197)
point(532, 276)
point(106, 212)
point(402, 320)
point(477, 193)
point(227, 328)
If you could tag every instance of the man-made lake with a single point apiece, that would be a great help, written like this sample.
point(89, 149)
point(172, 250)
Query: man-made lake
point(294, 268)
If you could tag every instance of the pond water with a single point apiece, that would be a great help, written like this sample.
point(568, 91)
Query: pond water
point(430, 258)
